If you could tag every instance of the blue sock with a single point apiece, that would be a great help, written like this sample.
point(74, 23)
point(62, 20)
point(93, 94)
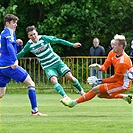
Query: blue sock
point(32, 97)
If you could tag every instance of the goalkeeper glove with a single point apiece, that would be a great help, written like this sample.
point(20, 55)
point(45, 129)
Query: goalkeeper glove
point(99, 81)
point(94, 80)
point(95, 66)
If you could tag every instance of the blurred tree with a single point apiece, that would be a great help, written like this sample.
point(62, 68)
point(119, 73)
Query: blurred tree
point(73, 20)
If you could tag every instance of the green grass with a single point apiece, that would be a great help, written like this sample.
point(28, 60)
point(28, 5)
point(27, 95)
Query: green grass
point(95, 116)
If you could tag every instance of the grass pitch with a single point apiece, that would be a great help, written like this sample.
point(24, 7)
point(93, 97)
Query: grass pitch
point(95, 116)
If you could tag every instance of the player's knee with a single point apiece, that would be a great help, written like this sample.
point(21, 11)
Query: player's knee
point(70, 77)
point(53, 80)
point(32, 83)
point(28, 81)
point(95, 90)
point(2, 92)
point(1, 95)
point(100, 96)
point(31, 87)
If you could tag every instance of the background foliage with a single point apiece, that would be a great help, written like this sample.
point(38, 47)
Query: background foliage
point(73, 20)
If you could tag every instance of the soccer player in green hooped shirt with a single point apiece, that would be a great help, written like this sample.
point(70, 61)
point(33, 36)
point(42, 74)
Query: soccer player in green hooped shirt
point(50, 62)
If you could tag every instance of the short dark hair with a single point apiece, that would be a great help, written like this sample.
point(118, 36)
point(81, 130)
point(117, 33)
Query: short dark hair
point(30, 28)
point(10, 17)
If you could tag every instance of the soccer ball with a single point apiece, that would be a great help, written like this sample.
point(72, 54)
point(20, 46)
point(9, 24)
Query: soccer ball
point(130, 73)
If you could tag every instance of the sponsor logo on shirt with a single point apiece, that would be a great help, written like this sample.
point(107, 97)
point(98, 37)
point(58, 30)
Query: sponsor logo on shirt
point(41, 48)
point(38, 49)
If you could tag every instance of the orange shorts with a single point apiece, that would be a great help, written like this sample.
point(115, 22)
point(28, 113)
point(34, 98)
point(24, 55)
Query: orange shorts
point(113, 88)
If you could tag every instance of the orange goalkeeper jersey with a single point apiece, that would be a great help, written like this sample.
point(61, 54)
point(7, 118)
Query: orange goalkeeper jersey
point(121, 65)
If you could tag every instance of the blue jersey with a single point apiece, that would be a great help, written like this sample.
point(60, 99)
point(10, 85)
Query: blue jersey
point(0, 44)
point(8, 47)
point(8, 50)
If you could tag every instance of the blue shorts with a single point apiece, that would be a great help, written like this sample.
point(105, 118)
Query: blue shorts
point(6, 74)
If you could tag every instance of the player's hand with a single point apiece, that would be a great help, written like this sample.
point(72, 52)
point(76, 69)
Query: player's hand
point(77, 45)
point(95, 66)
point(15, 65)
point(19, 42)
point(94, 80)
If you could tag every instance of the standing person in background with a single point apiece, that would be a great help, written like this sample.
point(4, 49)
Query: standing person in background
point(96, 50)
point(9, 68)
point(131, 52)
point(50, 62)
point(110, 71)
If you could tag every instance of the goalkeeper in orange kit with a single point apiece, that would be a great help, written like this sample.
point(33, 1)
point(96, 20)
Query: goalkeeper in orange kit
point(116, 85)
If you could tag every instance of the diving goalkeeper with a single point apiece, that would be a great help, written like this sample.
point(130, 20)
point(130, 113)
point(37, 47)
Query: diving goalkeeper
point(117, 84)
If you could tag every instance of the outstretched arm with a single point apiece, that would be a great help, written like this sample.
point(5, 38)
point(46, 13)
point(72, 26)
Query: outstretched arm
point(19, 45)
point(23, 51)
point(77, 45)
point(53, 39)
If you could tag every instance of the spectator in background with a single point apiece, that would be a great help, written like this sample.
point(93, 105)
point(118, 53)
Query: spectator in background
point(96, 50)
point(131, 52)
point(110, 71)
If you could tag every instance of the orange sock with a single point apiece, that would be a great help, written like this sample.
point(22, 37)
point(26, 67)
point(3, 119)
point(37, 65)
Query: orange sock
point(115, 96)
point(88, 96)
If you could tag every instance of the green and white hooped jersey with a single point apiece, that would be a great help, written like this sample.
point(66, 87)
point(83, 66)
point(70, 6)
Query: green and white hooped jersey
point(43, 50)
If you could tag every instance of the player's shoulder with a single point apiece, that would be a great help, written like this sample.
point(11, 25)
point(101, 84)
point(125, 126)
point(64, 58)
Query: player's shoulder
point(5, 32)
point(126, 56)
point(29, 43)
point(47, 36)
point(125, 59)
point(111, 53)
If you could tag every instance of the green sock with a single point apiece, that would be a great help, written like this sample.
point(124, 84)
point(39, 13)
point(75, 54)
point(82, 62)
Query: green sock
point(77, 84)
point(59, 89)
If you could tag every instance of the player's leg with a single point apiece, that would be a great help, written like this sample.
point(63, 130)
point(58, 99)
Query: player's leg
point(20, 75)
point(89, 95)
point(86, 97)
point(126, 97)
point(31, 93)
point(75, 82)
point(65, 71)
point(115, 91)
point(52, 75)
point(3, 81)
point(32, 96)
point(58, 87)
point(2, 91)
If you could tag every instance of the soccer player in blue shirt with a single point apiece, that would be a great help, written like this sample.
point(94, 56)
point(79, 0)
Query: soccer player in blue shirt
point(9, 68)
